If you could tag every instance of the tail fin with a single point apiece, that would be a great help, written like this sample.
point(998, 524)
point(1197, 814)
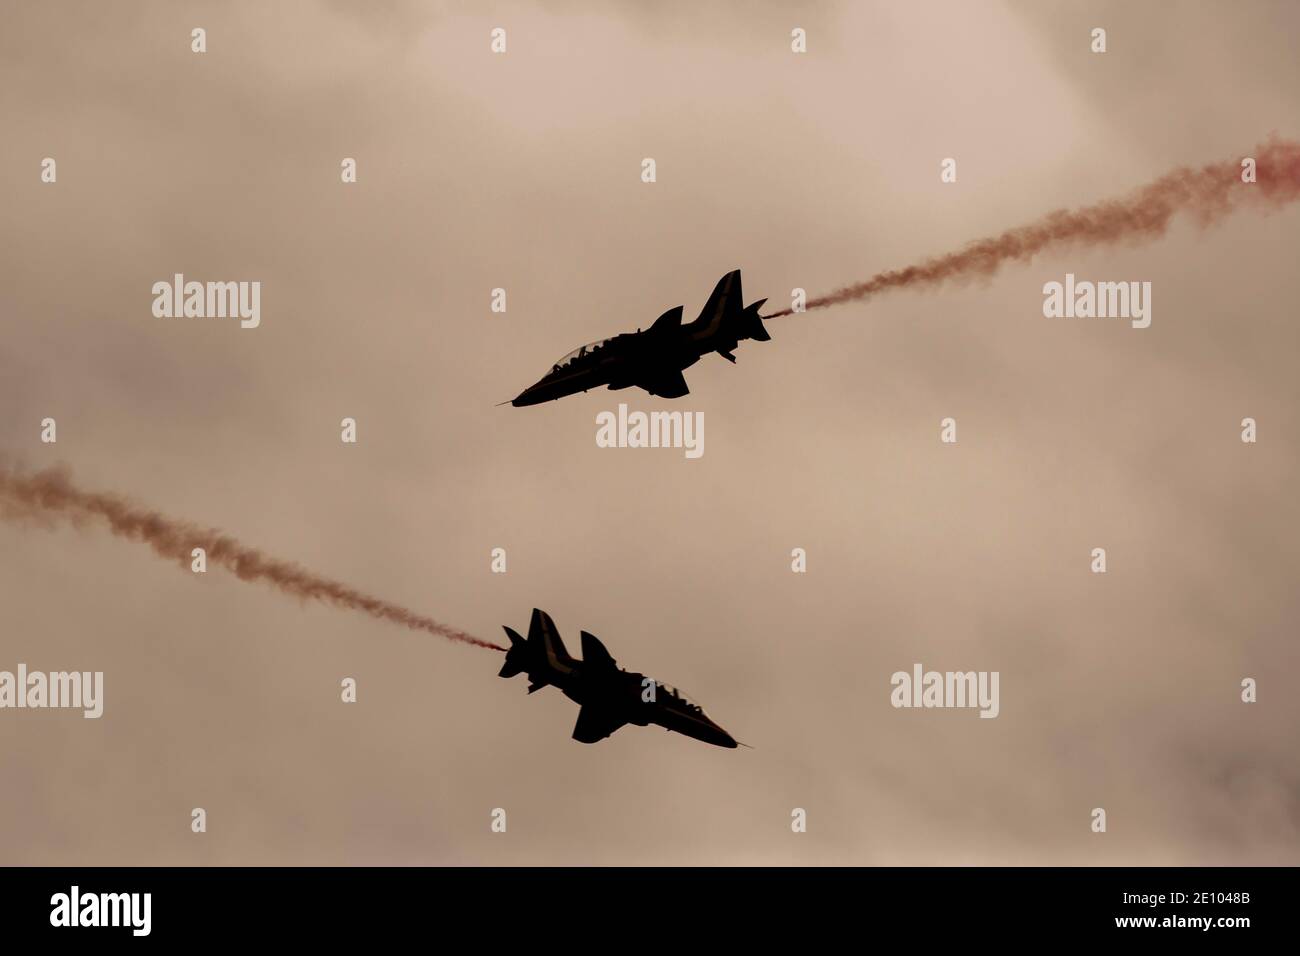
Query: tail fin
point(544, 641)
point(726, 319)
point(542, 655)
point(725, 303)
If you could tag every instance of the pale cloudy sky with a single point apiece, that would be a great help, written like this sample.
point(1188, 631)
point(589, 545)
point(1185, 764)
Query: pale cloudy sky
point(522, 171)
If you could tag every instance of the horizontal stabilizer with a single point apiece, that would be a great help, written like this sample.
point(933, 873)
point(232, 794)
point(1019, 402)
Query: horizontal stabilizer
point(751, 323)
point(516, 656)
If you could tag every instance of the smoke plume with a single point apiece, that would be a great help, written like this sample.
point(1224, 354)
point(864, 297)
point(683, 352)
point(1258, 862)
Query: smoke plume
point(1207, 194)
point(49, 495)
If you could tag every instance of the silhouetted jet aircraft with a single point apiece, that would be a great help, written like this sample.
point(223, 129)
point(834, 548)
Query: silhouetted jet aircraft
point(654, 359)
point(609, 696)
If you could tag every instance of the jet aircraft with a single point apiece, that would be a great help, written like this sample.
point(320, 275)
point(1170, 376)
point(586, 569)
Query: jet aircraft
point(609, 696)
point(654, 359)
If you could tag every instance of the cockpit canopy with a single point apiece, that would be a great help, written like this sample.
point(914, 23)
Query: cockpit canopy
point(580, 352)
point(678, 695)
point(665, 691)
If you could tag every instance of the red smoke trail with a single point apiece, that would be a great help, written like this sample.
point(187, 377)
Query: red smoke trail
point(1208, 194)
point(50, 494)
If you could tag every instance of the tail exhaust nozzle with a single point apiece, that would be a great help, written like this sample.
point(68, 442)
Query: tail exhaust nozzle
point(752, 323)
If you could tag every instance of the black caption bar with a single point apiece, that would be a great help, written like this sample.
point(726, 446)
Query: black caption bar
point(137, 905)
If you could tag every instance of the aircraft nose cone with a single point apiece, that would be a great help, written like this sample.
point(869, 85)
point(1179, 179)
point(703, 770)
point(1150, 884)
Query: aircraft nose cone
point(719, 737)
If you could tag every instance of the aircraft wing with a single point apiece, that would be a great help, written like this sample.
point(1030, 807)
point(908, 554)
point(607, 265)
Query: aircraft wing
point(595, 723)
point(666, 384)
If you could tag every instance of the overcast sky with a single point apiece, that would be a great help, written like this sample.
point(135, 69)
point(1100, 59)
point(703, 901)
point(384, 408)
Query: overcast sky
point(522, 171)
